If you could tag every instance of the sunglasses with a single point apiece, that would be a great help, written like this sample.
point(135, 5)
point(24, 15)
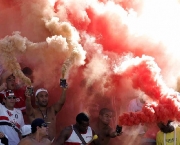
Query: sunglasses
point(44, 125)
point(11, 97)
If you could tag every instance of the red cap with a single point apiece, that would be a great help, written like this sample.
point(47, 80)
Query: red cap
point(8, 93)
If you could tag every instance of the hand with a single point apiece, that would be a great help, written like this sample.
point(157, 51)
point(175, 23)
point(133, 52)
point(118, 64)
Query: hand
point(63, 84)
point(3, 87)
point(118, 129)
point(1, 135)
point(118, 134)
point(27, 93)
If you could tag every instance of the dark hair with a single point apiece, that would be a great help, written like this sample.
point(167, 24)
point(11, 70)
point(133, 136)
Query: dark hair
point(104, 110)
point(82, 117)
point(23, 136)
point(36, 122)
point(166, 128)
point(27, 71)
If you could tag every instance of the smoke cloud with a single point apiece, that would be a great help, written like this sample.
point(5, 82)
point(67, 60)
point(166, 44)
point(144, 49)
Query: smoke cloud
point(107, 51)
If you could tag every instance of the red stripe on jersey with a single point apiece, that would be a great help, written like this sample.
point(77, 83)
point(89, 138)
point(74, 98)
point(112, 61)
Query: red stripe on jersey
point(18, 126)
point(4, 118)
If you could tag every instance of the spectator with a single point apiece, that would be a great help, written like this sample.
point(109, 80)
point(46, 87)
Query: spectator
point(103, 129)
point(11, 118)
point(10, 84)
point(5, 77)
point(168, 134)
point(39, 130)
point(43, 111)
point(79, 133)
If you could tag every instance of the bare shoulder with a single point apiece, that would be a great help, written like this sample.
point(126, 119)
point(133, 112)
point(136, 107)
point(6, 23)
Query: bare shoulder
point(66, 132)
point(67, 129)
point(25, 141)
point(46, 141)
point(64, 135)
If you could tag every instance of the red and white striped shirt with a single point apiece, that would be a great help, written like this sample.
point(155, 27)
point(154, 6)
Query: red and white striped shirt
point(10, 123)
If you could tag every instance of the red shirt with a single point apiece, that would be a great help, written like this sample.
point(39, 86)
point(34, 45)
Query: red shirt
point(20, 99)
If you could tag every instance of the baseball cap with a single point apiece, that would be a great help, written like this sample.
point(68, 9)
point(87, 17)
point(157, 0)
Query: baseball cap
point(9, 93)
point(37, 122)
point(25, 130)
point(40, 90)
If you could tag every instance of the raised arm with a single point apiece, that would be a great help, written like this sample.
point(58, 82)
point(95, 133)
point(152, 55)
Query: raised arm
point(59, 104)
point(29, 108)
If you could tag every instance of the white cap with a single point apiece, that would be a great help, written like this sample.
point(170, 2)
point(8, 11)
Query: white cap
point(40, 90)
point(25, 130)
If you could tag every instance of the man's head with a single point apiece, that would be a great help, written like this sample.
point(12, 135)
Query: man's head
point(105, 116)
point(42, 97)
point(39, 126)
point(82, 122)
point(10, 81)
point(9, 99)
point(166, 127)
point(28, 73)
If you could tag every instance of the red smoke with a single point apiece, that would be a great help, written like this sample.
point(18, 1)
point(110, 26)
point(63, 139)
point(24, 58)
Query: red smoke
point(145, 76)
point(103, 43)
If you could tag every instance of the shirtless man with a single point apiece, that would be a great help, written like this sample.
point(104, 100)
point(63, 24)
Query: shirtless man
point(102, 128)
point(39, 131)
point(43, 111)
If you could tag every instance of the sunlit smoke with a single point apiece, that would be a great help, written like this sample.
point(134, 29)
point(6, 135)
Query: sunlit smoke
point(107, 50)
point(145, 75)
point(75, 50)
point(8, 47)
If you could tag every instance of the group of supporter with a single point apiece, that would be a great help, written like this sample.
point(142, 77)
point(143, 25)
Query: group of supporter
point(26, 119)
point(23, 123)
point(18, 109)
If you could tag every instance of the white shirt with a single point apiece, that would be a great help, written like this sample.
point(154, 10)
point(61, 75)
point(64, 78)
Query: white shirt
point(10, 123)
point(75, 139)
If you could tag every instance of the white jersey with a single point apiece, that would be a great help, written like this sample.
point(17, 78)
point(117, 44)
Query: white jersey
point(74, 139)
point(11, 122)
